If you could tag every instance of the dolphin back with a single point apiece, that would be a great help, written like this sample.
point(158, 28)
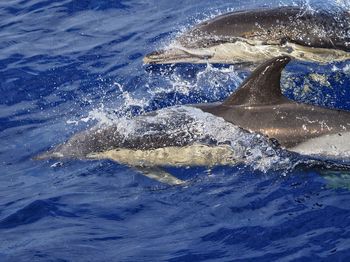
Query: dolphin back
point(319, 29)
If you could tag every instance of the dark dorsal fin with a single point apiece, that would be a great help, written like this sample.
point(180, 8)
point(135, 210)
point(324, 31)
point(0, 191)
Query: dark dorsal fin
point(262, 87)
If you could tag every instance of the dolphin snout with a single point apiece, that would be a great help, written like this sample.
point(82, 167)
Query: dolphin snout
point(155, 57)
point(175, 55)
point(52, 154)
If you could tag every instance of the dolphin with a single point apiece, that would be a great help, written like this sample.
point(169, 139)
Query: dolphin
point(257, 107)
point(254, 36)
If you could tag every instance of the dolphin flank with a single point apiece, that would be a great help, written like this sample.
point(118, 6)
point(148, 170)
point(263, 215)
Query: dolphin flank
point(255, 36)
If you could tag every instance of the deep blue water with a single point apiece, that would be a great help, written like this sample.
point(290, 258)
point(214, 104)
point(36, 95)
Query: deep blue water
point(68, 64)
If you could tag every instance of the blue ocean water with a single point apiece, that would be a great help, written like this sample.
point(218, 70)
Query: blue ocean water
point(66, 65)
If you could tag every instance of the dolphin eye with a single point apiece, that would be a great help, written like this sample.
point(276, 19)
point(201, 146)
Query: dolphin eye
point(284, 40)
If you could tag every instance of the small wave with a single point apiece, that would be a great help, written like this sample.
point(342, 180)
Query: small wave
point(33, 212)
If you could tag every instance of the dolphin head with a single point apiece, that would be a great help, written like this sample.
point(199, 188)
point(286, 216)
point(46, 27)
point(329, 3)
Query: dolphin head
point(178, 53)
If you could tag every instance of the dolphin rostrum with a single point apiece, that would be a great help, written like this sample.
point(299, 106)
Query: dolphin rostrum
point(255, 36)
point(257, 107)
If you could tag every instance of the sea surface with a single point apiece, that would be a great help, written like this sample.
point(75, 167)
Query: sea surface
point(67, 65)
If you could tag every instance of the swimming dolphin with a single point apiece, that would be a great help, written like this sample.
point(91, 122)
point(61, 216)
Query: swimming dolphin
point(258, 106)
point(255, 36)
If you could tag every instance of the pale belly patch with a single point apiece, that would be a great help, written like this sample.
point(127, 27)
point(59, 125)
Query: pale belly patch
point(193, 155)
point(334, 145)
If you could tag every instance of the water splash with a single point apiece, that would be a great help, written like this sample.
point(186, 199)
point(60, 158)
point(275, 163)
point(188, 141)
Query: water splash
point(344, 4)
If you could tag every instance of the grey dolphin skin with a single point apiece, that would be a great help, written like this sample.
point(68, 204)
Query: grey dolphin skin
point(255, 36)
point(257, 106)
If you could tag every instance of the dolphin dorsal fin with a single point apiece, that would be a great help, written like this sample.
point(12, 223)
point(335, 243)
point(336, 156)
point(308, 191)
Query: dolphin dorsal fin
point(262, 87)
